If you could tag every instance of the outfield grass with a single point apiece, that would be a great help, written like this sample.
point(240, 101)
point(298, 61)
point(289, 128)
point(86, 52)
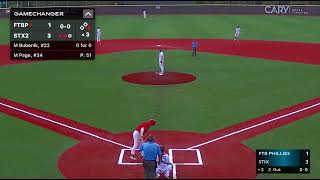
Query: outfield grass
point(29, 152)
point(278, 28)
point(303, 134)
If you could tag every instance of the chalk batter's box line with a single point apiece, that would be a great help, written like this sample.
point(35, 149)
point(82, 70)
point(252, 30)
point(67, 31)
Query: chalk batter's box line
point(200, 162)
point(174, 169)
point(120, 160)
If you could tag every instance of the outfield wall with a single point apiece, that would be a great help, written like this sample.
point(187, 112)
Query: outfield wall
point(213, 9)
point(297, 10)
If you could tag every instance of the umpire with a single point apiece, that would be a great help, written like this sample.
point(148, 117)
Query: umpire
point(150, 151)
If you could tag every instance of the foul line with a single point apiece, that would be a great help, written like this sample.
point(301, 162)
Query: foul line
point(254, 126)
point(64, 125)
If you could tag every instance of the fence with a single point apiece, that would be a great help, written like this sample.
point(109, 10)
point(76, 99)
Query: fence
point(105, 9)
point(8, 4)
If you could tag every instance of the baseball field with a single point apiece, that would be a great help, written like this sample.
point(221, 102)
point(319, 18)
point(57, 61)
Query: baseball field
point(74, 119)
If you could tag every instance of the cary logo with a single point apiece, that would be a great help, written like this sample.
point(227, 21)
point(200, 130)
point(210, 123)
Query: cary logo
point(279, 9)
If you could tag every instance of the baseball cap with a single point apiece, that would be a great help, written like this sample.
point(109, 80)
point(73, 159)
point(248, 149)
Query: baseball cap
point(150, 139)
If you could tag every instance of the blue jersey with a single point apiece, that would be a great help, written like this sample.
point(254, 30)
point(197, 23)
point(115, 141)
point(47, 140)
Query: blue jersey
point(150, 150)
point(194, 44)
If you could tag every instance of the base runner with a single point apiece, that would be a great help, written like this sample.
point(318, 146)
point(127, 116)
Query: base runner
point(138, 134)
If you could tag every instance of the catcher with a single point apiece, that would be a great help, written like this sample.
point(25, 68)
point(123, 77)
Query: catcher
point(164, 166)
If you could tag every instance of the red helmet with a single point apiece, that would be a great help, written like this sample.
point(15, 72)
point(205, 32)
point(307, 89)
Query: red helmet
point(152, 122)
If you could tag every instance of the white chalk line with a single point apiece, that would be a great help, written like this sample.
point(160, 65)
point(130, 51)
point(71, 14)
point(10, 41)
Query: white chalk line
point(254, 126)
point(174, 168)
point(170, 152)
point(200, 162)
point(64, 125)
point(174, 171)
point(170, 156)
point(120, 159)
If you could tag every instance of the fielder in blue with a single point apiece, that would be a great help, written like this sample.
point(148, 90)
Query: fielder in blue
point(194, 47)
point(98, 34)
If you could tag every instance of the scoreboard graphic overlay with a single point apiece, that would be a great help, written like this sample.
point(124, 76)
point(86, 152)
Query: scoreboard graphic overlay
point(52, 33)
point(283, 161)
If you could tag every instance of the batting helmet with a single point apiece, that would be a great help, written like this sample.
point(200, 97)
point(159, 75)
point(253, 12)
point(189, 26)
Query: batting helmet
point(152, 122)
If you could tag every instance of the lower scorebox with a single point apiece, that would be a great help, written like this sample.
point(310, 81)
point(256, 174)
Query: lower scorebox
point(283, 161)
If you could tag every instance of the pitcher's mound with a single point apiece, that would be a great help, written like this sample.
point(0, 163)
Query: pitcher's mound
point(153, 78)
